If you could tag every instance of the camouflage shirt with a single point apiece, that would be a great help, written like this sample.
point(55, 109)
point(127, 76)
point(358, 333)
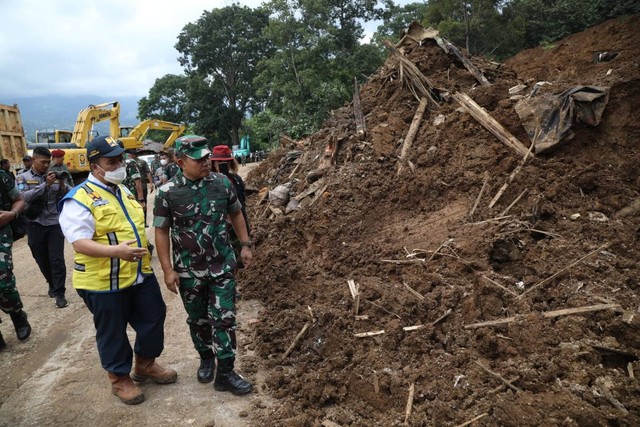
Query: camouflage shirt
point(144, 171)
point(133, 173)
point(196, 212)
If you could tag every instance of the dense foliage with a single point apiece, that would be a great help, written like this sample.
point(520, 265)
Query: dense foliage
point(282, 67)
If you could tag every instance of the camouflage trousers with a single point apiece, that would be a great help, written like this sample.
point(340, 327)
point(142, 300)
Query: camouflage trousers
point(211, 314)
point(10, 301)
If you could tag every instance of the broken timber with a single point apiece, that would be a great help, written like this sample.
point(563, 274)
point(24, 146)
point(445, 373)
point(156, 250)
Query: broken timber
point(411, 134)
point(466, 62)
point(415, 75)
point(355, 294)
point(498, 376)
point(407, 412)
point(547, 314)
point(296, 339)
point(357, 110)
point(491, 124)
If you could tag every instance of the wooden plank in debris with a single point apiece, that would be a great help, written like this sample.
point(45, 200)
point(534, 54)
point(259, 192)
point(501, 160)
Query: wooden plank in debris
point(310, 189)
point(407, 412)
point(368, 334)
point(296, 339)
point(467, 63)
point(318, 194)
point(417, 78)
point(547, 314)
point(542, 282)
point(411, 134)
point(357, 110)
point(491, 124)
point(355, 294)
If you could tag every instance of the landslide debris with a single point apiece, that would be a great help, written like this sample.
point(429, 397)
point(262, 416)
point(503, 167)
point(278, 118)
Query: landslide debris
point(409, 244)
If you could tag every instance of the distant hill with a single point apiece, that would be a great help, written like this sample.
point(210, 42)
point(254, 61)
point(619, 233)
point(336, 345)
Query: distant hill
point(56, 112)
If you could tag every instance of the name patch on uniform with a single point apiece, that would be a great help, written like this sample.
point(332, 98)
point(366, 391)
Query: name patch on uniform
point(33, 182)
point(100, 202)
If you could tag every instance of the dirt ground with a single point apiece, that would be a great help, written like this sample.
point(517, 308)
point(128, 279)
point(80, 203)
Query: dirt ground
point(419, 258)
point(55, 377)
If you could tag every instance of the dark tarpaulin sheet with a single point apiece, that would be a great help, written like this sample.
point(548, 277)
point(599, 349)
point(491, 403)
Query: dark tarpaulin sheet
point(548, 118)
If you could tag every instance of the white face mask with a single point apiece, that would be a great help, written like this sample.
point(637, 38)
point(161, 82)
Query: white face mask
point(115, 177)
point(164, 162)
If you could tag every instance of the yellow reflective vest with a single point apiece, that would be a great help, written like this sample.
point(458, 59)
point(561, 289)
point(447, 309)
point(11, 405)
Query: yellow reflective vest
point(117, 219)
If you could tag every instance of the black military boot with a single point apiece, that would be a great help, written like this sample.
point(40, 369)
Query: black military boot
point(2, 343)
point(205, 371)
point(228, 380)
point(23, 329)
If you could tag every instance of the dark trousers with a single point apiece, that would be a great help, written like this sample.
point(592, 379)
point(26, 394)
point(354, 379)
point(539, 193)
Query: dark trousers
point(47, 247)
point(140, 306)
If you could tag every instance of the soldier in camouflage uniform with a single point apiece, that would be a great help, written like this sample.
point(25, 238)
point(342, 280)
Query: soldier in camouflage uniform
point(10, 301)
point(133, 181)
point(190, 212)
point(145, 179)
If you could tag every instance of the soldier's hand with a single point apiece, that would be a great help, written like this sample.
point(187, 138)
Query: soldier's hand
point(172, 281)
point(245, 256)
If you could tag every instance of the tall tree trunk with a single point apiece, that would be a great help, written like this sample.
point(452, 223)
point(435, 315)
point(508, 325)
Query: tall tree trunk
point(235, 136)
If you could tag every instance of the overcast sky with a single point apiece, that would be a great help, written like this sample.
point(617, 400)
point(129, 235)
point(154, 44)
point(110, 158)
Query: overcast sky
point(110, 48)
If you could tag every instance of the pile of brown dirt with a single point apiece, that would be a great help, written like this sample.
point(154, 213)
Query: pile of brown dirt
point(561, 366)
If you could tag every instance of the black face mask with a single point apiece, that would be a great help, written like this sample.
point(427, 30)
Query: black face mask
point(224, 168)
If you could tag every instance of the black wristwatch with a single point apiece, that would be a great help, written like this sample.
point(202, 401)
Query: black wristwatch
point(246, 244)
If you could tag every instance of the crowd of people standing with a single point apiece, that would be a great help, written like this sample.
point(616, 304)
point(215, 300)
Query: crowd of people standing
point(201, 237)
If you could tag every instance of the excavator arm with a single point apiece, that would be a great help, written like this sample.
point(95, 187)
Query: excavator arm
point(135, 136)
point(93, 114)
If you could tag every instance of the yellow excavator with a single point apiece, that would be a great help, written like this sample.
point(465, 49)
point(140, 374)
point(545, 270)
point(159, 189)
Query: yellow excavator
point(133, 136)
point(75, 156)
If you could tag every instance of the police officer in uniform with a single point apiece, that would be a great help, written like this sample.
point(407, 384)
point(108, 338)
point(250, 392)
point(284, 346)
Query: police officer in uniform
point(44, 235)
point(190, 212)
point(112, 272)
point(10, 301)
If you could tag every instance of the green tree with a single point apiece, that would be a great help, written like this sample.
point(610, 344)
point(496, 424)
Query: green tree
point(167, 100)
point(221, 51)
point(397, 18)
point(315, 57)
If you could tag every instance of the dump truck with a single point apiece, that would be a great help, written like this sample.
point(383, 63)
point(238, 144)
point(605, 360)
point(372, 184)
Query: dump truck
point(13, 144)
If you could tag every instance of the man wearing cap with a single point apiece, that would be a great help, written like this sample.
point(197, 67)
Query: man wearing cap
point(145, 179)
point(58, 166)
point(133, 181)
point(112, 272)
point(224, 163)
point(190, 212)
point(42, 190)
point(27, 161)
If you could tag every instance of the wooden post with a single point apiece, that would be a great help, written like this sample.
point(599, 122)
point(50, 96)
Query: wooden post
point(357, 110)
point(411, 134)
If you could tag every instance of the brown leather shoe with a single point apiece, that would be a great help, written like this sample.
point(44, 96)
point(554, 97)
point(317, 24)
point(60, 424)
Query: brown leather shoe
point(148, 369)
point(125, 389)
